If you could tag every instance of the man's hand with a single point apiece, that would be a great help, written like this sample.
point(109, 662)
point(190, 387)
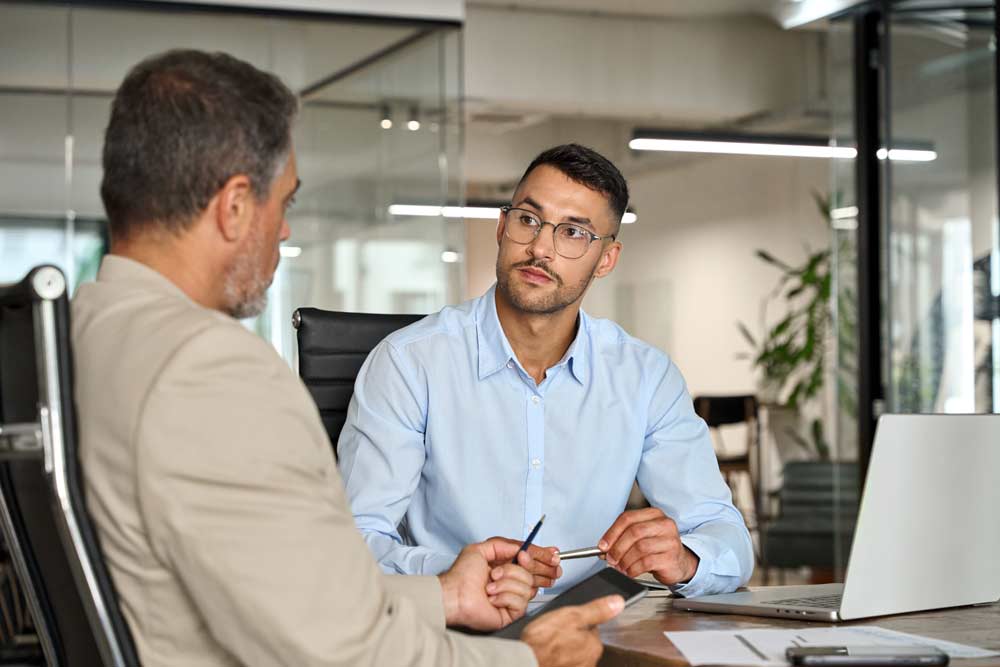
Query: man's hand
point(482, 597)
point(647, 540)
point(567, 637)
point(543, 562)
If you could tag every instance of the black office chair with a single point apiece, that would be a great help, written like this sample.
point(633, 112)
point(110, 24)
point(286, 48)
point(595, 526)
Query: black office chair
point(45, 523)
point(814, 525)
point(332, 348)
point(735, 409)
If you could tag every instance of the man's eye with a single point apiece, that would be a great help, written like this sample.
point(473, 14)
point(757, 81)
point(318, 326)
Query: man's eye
point(289, 203)
point(573, 232)
point(529, 221)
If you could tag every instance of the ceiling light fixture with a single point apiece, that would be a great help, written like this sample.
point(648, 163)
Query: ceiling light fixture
point(779, 145)
point(467, 212)
point(290, 251)
point(386, 121)
point(413, 124)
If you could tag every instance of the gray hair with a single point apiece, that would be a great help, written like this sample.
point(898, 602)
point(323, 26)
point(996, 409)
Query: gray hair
point(182, 124)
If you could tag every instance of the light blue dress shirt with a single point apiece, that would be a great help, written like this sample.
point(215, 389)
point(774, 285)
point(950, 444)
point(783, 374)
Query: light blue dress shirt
point(449, 441)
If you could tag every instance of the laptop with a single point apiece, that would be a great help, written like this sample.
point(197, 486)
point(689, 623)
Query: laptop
point(927, 535)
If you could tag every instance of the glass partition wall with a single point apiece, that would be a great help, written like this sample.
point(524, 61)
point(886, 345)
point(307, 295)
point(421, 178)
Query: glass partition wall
point(941, 230)
point(933, 270)
point(380, 125)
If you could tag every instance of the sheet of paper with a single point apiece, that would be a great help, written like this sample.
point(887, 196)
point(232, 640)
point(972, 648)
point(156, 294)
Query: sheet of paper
point(766, 647)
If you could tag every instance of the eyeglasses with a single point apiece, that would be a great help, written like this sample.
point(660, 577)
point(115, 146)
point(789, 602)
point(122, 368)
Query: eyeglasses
point(569, 240)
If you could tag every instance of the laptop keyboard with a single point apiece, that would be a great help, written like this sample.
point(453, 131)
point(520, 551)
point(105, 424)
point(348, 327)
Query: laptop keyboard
point(821, 601)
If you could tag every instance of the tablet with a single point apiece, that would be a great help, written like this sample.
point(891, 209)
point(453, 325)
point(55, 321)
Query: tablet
point(606, 582)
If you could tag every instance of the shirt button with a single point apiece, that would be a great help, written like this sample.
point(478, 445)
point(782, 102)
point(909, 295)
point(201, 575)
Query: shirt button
point(535, 463)
point(510, 364)
point(536, 400)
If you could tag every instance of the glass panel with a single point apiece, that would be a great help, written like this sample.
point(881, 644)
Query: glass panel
point(844, 261)
point(942, 229)
point(57, 79)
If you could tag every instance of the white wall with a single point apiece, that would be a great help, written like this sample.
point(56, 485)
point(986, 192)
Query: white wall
point(688, 271)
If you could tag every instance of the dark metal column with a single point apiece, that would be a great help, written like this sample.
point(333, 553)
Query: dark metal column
point(868, 62)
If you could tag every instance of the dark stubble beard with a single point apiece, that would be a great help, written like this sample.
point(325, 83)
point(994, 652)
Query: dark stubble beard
point(553, 302)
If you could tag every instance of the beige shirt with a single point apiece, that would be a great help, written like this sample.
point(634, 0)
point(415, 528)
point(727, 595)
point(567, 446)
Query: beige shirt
point(217, 501)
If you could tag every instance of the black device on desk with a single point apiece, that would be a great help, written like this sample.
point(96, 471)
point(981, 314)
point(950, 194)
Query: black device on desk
point(606, 582)
point(840, 656)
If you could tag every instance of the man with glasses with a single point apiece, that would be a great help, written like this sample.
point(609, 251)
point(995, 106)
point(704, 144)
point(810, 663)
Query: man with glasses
point(482, 417)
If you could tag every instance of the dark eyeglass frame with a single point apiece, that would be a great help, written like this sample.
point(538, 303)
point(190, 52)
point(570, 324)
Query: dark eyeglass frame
point(591, 236)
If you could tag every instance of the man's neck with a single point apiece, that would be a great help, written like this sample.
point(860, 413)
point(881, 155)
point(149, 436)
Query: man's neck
point(178, 262)
point(539, 341)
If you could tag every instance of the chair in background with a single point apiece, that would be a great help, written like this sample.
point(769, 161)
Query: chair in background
point(332, 348)
point(718, 411)
point(48, 532)
point(814, 525)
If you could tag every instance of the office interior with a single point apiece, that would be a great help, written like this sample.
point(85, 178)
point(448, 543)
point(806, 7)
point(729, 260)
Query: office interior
point(414, 130)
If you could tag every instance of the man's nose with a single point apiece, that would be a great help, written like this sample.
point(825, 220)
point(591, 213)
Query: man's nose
point(544, 245)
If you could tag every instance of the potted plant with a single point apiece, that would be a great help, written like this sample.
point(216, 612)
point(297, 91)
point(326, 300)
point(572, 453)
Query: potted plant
point(791, 354)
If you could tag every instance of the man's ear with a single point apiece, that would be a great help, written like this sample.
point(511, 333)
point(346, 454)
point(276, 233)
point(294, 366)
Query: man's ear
point(609, 258)
point(500, 222)
point(235, 206)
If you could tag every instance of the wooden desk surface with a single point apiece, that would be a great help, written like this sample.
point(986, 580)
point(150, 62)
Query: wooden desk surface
point(635, 638)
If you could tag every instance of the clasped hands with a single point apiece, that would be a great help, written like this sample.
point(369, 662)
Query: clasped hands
point(485, 590)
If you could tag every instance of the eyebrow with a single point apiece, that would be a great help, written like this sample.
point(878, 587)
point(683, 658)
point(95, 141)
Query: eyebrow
point(574, 219)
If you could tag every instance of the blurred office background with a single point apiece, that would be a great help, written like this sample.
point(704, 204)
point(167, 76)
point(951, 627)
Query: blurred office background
point(831, 288)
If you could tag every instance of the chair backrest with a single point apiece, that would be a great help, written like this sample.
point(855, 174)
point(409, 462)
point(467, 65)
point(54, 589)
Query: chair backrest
point(44, 519)
point(332, 348)
point(820, 490)
point(722, 410)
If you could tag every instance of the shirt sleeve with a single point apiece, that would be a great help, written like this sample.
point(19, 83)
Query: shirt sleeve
point(243, 504)
point(382, 454)
point(679, 474)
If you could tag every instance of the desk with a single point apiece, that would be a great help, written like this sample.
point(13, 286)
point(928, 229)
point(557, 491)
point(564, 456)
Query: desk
point(635, 638)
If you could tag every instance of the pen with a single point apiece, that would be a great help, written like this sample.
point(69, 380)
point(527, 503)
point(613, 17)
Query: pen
point(531, 536)
point(589, 552)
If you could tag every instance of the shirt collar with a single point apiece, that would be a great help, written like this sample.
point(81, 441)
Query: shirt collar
point(495, 350)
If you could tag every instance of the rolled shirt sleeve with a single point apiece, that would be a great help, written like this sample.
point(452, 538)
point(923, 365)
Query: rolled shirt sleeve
point(679, 474)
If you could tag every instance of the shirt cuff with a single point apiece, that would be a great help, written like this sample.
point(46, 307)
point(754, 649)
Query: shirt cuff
point(696, 583)
point(424, 592)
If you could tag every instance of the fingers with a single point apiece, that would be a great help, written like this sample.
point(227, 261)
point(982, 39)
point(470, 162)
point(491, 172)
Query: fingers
point(624, 520)
point(654, 553)
point(545, 575)
point(497, 549)
point(649, 524)
point(599, 611)
point(511, 587)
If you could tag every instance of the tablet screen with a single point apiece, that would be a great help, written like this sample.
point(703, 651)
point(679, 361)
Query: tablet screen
point(606, 582)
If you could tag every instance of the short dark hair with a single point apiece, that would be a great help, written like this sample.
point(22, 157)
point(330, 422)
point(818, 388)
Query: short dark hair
point(182, 124)
point(587, 167)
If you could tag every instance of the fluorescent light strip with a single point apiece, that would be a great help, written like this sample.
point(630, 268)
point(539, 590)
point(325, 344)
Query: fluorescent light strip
point(742, 148)
point(844, 213)
point(468, 212)
point(483, 212)
point(907, 155)
point(290, 251)
point(480, 212)
point(780, 150)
